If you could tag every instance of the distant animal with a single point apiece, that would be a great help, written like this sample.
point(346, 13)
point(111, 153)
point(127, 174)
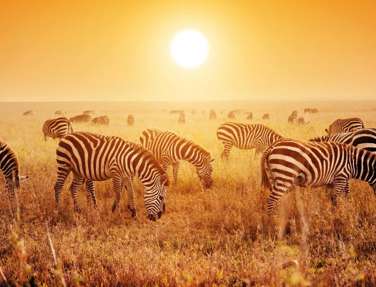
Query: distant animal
point(10, 169)
point(232, 114)
point(94, 157)
point(80, 118)
point(301, 121)
point(212, 115)
point(245, 136)
point(311, 110)
point(363, 138)
point(130, 120)
point(59, 113)
point(345, 125)
point(88, 112)
point(289, 163)
point(102, 120)
point(169, 148)
point(266, 117)
point(28, 113)
point(249, 116)
point(56, 128)
point(292, 117)
point(181, 119)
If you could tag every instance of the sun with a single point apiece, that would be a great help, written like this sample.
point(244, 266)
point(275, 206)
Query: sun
point(189, 48)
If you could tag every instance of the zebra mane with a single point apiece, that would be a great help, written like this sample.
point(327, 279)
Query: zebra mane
point(319, 139)
point(193, 145)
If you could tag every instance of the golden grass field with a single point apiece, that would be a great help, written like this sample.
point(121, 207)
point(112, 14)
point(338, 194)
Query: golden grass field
point(212, 238)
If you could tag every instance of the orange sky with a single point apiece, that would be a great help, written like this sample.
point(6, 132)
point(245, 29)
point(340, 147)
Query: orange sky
point(119, 50)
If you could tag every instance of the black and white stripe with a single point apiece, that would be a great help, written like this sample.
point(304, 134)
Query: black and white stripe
point(93, 157)
point(363, 138)
point(345, 125)
point(57, 128)
point(245, 136)
point(170, 148)
point(289, 163)
point(10, 169)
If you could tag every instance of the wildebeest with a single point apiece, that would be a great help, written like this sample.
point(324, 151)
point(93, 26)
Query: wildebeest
point(130, 120)
point(301, 121)
point(292, 117)
point(59, 113)
point(212, 115)
point(102, 120)
point(88, 112)
point(311, 110)
point(249, 116)
point(266, 116)
point(80, 118)
point(28, 113)
point(181, 119)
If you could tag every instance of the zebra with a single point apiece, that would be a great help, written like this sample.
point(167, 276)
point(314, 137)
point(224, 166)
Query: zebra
point(363, 138)
point(10, 168)
point(345, 125)
point(290, 163)
point(93, 157)
point(245, 136)
point(57, 128)
point(169, 149)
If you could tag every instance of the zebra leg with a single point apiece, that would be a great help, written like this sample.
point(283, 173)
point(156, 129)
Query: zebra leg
point(76, 183)
point(62, 175)
point(131, 204)
point(226, 151)
point(278, 189)
point(341, 185)
point(117, 186)
point(90, 193)
point(13, 202)
point(175, 169)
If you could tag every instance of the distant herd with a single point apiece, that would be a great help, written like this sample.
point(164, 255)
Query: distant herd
point(348, 151)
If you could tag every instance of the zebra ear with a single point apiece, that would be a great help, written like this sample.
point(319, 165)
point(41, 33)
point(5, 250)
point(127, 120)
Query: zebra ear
point(211, 160)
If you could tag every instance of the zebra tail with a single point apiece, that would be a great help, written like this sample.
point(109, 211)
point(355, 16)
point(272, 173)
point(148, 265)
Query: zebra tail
point(16, 179)
point(265, 183)
point(70, 127)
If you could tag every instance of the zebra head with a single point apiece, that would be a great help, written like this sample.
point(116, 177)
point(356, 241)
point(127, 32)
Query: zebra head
point(154, 196)
point(204, 171)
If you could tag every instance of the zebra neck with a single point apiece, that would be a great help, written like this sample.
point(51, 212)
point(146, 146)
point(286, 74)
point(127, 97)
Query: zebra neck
point(190, 153)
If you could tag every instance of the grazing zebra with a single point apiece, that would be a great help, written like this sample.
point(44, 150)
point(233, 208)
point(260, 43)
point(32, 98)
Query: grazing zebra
point(57, 128)
point(363, 138)
point(245, 136)
point(289, 163)
point(10, 169)
point(96, 158)
point(345, 125)
point(170, 148)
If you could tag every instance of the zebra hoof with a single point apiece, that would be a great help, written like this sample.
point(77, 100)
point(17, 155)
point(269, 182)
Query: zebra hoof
point(132, 210)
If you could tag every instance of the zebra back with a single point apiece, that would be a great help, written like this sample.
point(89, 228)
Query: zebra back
point(345, 125)
point(57, 128)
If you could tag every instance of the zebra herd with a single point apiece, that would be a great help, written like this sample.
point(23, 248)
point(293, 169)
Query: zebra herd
point(348, 151)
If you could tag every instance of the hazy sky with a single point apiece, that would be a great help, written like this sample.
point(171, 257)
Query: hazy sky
point(119, 50)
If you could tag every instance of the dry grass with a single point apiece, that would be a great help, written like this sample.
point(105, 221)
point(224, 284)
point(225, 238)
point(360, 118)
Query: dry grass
point(219, 237)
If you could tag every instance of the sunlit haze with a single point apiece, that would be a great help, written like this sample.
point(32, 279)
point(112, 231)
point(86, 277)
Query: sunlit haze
point(122, 50)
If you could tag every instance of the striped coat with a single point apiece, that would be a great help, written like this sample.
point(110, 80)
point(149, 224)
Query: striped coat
point(96, 158)
point(345, 125)
point(57, 128)
point(289, 163)
point(169, 149)
point(363, 138)
point(245, 136)
point(10, 169)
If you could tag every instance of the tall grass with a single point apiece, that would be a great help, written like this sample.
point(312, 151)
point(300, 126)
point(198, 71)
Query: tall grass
point(218, 237)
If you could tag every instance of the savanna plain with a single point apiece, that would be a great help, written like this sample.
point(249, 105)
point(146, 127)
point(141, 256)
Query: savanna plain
point(217, 237)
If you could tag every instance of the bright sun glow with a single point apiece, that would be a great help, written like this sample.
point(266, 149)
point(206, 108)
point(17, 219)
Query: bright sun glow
point(189, 48)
